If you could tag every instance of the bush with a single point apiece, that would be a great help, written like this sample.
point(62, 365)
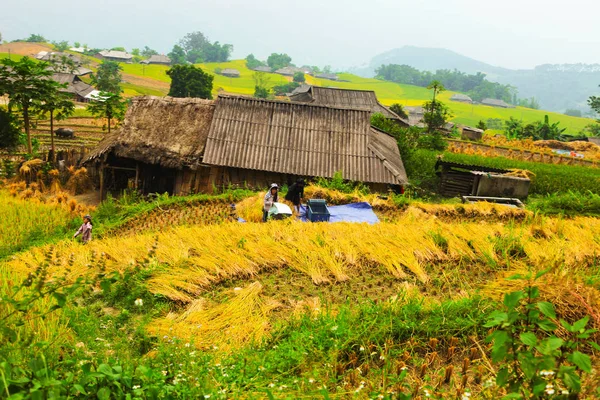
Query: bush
point(9, 130)
point(568, 204)
point(299, 77)
point(432, 141)
point(282, 90)
point(337, 182)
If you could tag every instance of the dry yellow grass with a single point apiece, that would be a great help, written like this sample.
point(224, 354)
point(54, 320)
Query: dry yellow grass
point(203, 255)
point(230, 325)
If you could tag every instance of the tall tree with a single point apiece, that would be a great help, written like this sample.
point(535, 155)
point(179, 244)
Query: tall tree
point(108, 105)
point(277, 61)
point(61, 46)
point(108, 77)
point(26, 83)
point(594, 103)
point(190, 81)
point(261, 80)
point(148, 52)
point(177, 55)
point(58, 106)
point(398, 109)
point(436, 113)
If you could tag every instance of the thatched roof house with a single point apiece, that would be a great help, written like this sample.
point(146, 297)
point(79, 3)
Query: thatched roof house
point(461, 98)
point(159, 59)
point(262, 68)
point(496, 103)
point(115, 55)
point(343, 98)
point(183, 146)
point(230, 72)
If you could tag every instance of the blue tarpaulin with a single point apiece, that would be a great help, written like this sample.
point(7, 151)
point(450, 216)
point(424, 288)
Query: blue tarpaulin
point(354, 212)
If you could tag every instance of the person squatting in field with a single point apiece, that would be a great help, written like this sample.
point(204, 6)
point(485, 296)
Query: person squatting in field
point(85, 230)
point(296, 193)
point(270, 198)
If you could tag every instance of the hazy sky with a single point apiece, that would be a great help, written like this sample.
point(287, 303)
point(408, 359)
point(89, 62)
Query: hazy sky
point(508, 33)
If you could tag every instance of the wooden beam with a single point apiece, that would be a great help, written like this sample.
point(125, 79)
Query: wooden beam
point(102, 181)
point(121, 168)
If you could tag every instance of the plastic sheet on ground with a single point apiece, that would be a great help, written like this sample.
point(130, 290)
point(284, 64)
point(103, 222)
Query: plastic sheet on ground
point(353, 212)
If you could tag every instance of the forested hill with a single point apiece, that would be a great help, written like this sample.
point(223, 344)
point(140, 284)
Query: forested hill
point(556, 87)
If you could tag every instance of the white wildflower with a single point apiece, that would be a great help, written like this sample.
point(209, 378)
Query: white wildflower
point(187, 345)
point(564, 391)
point(136, 387)
point(546, 373)
point(466, 396)
point(334, 328)
point(427, 393)
point(382, 357)
point(139, 302)
point(207, 396)
point(311, 380)
point(164, 372)
point(549, 389)
point(271, 385)
point(361, 348)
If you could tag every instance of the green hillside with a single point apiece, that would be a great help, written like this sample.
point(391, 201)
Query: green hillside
point(142, 79)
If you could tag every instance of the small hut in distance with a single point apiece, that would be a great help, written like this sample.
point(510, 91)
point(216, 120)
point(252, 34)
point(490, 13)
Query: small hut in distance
point(230, 73)
point(461, 98)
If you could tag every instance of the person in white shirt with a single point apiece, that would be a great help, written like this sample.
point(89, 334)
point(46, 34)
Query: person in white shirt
point(270, 198)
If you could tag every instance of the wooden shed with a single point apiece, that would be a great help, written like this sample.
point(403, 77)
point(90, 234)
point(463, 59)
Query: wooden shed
point(183, 146)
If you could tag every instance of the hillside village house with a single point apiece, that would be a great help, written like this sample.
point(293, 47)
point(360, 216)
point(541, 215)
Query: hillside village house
point(331, 77)
point(496, 103)
point(81, 91)
point(461, 98)
point(114, 55)
point(183, 146)
point(344, 98)
point(262, 68)
point(230, 72)
point(158, 59)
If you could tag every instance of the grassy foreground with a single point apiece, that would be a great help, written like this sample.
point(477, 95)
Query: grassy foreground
point(218, 309)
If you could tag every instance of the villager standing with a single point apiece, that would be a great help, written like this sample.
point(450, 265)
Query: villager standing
point(270, 198)
point(296, 193)
point(85, 230)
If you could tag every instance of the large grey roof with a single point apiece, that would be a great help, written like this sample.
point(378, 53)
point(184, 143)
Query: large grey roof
point(301, 139)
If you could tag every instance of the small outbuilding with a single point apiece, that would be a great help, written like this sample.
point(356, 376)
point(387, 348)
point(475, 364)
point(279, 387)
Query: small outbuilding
point(80, 90)
point(263, 68)
point(496, 103)
point(461, 98)
point(230, 73)
point(159, 59)
point(472, 134)
point(114, 55)
point(458, 179)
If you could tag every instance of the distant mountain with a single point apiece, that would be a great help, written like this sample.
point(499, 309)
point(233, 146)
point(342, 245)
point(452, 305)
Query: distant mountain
point(557, 87)
point(427, 59)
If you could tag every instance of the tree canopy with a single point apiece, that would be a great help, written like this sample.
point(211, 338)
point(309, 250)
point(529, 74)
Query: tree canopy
point(198, 48)
point(177, 55)
point(108, 105)
point(475, 85)
point(299, 77)
point(148, 52)
point(261, 80)
point(58, 106)
point(190, 81)
point(26, 83)
point(34, 38)
point(594, 103)
point(252, 62)
point(277, 61)
point(436, 113)
point(61, 46)
point(108, 77)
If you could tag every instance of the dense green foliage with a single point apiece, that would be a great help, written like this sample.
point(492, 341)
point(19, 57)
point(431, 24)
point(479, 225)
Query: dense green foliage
point(299, 77)
point(177, 55)
point(63, 45)
point(283, 89)
point(261, 82)
point(252, 62)
point(26, 83)
point(108, 105)
point(9, 130)
point(594, 103)
point(475, 85)
point(398, 109)
point(541, 130)
point(199, 49)
point(337, 182)
point(108, 77)
point(277, 61)
point(549, 178)
point(190, 81)
point(573, 112)
point(35, 38)
point(527, 348)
